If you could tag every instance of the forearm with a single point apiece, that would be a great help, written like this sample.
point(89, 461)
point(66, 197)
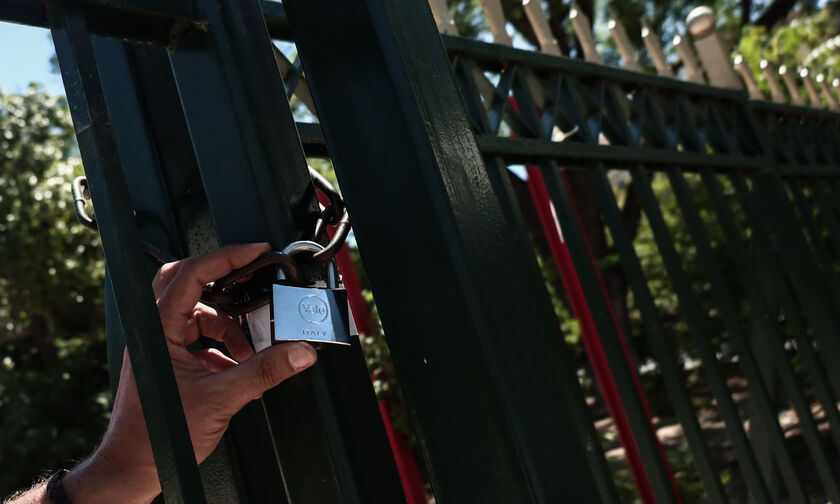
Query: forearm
point(92, 482)
point(35, 495)
point(105, 479)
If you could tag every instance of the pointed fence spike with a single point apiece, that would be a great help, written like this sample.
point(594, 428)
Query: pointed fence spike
point(792, 86)
point(583, 30)
point(813, 95)
point(692, 66)
point(770, 75)
point(539, 22)
point(496, 19)
point(702, 25)
point(625, 48)
point(748, 77)
point(827, 92)
point(835, 87)
point(654, 49)
point(443, 19)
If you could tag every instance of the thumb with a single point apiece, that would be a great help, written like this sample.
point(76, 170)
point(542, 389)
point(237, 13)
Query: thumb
point(249, 379)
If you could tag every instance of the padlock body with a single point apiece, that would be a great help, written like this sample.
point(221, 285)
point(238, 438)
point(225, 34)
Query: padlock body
point(309, 314)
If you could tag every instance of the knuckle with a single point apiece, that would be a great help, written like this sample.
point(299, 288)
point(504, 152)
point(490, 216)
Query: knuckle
point(164, 275)
point(188, 266)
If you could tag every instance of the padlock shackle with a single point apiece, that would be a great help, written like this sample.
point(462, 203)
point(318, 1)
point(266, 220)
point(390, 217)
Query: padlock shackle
point(310, 250)
point(226, 302)
point(281, 259)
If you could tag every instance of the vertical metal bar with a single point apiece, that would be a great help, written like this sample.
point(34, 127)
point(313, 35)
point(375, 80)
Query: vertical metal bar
point(773, 206)
point(603, 191)
point(656, 471)
point(657, 474)
point(768, 202)
point(760, 305)
point(165, 186)
point(486, 403)
point(818, 188)
point(563, 366)
point(723, 136)
point(466, 73)
point(774, 352)
point(742, 346)
point(688, 306)
point(156, 385)
point(833, 189)
point(331, 444)
point(412, 483)
point(760, 210)
point(809, 224)
point(716, 380)
point(591, 339)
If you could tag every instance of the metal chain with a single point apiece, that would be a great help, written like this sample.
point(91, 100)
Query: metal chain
point(333, 215)
point(239, 299)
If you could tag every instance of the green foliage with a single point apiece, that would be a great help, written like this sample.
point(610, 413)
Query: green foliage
point(791, 45)
point(468, 17)
point(53, 378)
point(690, 487)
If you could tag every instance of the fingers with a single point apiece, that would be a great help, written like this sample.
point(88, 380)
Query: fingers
point(222, 328)
point(265, 370)
point(181, 294)
point(164, 276)
point(214, 360)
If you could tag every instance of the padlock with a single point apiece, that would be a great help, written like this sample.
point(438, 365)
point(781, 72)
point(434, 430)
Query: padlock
point(252, 298)
point(311, 314)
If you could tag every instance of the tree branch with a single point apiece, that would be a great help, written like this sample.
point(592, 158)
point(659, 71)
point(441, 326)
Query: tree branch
point(775, 12)
point(746, 8)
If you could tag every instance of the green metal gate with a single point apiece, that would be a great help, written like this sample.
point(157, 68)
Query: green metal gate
point(189, 142)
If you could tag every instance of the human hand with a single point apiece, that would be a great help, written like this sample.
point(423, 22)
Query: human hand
point(212, 386)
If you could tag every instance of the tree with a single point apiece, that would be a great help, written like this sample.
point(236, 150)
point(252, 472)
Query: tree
point(799, 42)
point(54, 396)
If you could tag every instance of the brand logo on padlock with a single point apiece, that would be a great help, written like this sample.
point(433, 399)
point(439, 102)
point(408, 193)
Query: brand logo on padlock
point(313, 309)
point(309, 314)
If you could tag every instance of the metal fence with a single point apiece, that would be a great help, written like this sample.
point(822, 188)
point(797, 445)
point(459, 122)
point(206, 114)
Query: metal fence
point(188, 141)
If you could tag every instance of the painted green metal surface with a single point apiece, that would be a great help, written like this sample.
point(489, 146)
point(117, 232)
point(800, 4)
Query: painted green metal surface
point(138, 314)
point(331, 446)
point(461, 336)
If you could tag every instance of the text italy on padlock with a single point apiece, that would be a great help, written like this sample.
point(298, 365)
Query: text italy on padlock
point(309, 314)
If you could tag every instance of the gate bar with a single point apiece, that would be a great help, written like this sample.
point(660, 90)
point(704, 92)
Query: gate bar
point(331, 445)
point(165, 421)
point(491, 431)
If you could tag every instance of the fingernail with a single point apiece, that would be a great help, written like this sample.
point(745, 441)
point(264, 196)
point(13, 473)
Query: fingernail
point(301, 356)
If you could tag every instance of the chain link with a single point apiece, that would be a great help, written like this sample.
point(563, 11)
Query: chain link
point(333, 215)
point(237, 301)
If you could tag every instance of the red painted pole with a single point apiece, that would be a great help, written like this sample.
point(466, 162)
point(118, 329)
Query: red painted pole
point(591, 341)
point(412, 482)
point(623, 340)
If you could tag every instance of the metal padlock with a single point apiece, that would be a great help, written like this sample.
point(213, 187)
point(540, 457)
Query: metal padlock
point(311, 314)
point(251, 299)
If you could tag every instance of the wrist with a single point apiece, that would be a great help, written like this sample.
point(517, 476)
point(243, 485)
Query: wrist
point(103, 478)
